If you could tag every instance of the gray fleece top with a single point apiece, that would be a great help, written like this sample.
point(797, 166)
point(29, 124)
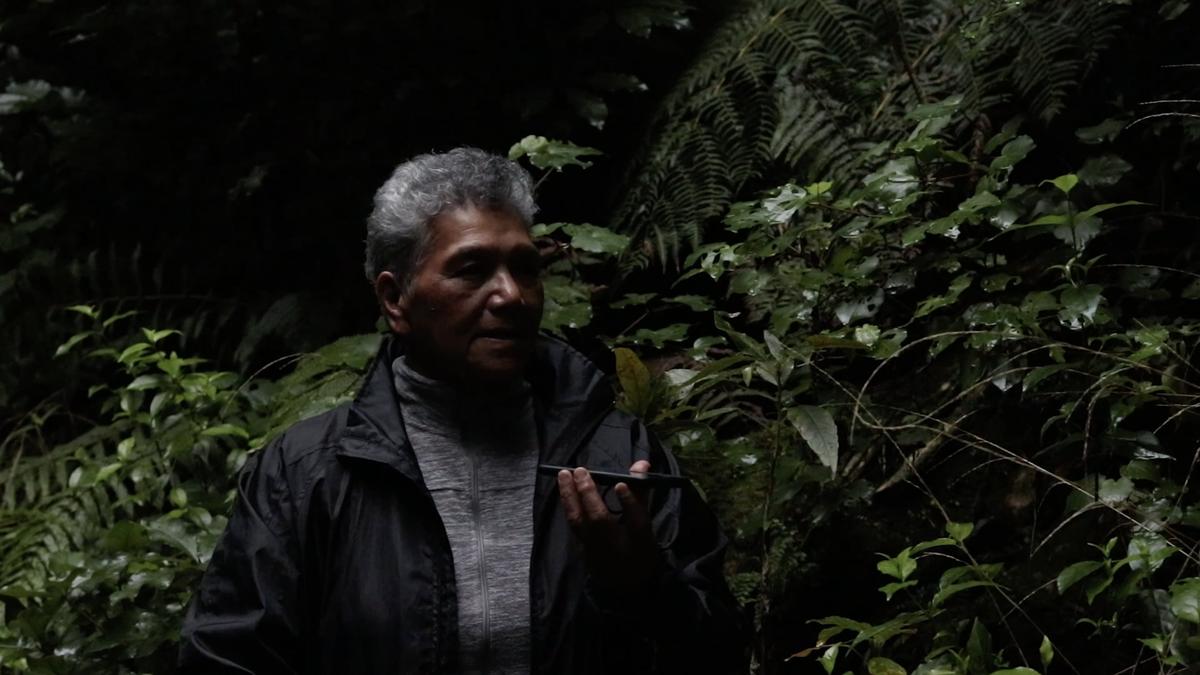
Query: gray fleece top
point(478, 454)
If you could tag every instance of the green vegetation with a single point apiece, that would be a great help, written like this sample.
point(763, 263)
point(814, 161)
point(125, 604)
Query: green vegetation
point(909, 287)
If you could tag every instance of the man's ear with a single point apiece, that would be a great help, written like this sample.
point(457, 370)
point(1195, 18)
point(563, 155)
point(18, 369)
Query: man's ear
point(393, 302)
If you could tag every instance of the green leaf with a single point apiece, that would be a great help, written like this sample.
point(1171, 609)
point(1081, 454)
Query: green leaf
point(1185, 599)
point(891, 589)
point(142, 382)
point(925, 111)
point(156, 404)
point(595, 239)
point(1079, 305)
point(1148, 551)
point(883, 666)
point(1115, 491)
point(959, 531)
point(1046, 651)
point(774, 347)
point(1097, 585)
point(867, 334)
point(819, 188)
point(1100, 133)
point(634, 300)
point(951, 590)
point(676, 332)
point(1173, 9)
point(994, 283)
point(1155, 643)
point(641, 18)
point(1016, 671)
point(608, 81)
point(634, 378)
point(179, 497)
point(567, 304)
point(696, 303)
point(933, 543)
point(1064, 183)
point(125, 448)
point(550, 154)
point(1103, 171)
point(125, 536)
point(70, 343)
point(900, 567)
point(817, 428)
point(86, 310)
point(106, 472)
point(154, 336)
point(226, 430)
point(913, 234)
point(979, 646)
point(829, 659)
point(131, 352)
point(1075, 573)
point(957, 286)
point(541, 230)
point(1101, 208)
point(1077, 233)
point(981, 201)
point(1013, 152)
point(1035, 376)
point(588, 105)
point(117, 317)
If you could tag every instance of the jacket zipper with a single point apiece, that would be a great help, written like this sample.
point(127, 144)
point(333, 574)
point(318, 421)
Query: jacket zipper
point(536, 596)
point(477, 517)
point(440, 657)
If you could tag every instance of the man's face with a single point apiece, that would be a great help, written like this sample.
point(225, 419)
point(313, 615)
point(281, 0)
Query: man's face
point(472, 309)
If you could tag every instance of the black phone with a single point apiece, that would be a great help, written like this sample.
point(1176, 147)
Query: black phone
point(613, 477)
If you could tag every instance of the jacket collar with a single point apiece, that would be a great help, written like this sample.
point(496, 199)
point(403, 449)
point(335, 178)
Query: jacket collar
point(570, 394)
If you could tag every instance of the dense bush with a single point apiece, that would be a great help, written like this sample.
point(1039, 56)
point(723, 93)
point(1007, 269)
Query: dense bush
point(919, 320)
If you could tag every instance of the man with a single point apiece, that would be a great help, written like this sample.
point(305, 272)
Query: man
point(409, 531)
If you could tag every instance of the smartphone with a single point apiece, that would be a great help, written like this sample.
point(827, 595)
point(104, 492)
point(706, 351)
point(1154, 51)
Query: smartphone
point(614, 477)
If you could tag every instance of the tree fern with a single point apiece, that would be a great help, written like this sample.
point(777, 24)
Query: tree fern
point(45, 510)
point(792, 87)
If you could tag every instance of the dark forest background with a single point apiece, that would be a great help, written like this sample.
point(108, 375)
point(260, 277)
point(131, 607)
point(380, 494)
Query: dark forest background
point(909, 286)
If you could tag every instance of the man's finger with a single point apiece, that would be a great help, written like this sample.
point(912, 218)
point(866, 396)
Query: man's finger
point(594, 507)
point(569, 498)
point(642, 492)
point(635, 516)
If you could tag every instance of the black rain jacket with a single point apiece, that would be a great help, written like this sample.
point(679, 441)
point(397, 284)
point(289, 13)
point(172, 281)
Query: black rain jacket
point(335, 559)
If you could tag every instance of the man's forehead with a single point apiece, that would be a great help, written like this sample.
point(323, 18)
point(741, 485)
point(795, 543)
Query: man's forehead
point(466, 229)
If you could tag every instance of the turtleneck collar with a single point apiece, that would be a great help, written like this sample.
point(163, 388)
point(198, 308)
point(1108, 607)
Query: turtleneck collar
point(453, 402)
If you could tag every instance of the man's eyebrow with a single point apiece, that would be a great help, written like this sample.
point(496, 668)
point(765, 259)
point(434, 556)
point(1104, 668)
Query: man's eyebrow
point(478, 251)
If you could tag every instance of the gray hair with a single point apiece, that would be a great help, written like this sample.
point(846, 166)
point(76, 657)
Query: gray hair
point(398, 231)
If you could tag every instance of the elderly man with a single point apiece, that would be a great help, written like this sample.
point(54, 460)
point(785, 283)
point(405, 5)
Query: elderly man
point(410, 531)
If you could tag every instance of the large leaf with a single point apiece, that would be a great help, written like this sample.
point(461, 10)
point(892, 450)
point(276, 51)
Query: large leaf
point(595, 239)
point(1072, 574)
point(900, 567)
point(817, 428)
point(545, 153)
point(880, 665)
point(635, 380)
point(1185, 600)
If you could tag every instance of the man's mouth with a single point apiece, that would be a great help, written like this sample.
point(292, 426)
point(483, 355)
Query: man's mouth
point(503, 334)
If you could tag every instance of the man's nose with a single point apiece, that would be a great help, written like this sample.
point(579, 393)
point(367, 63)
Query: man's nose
point(506, 290)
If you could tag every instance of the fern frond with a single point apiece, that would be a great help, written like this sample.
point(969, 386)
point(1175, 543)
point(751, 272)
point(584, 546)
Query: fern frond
point(796, 85)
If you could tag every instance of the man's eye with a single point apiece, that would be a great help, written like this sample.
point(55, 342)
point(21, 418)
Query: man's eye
point(528, 268)
point(472, 270)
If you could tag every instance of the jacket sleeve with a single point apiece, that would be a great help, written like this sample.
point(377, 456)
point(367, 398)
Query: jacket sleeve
point(246, 616)
point(690, 615)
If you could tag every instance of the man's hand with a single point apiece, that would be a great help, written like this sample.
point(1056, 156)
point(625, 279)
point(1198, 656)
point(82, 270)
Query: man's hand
point(621, 553)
